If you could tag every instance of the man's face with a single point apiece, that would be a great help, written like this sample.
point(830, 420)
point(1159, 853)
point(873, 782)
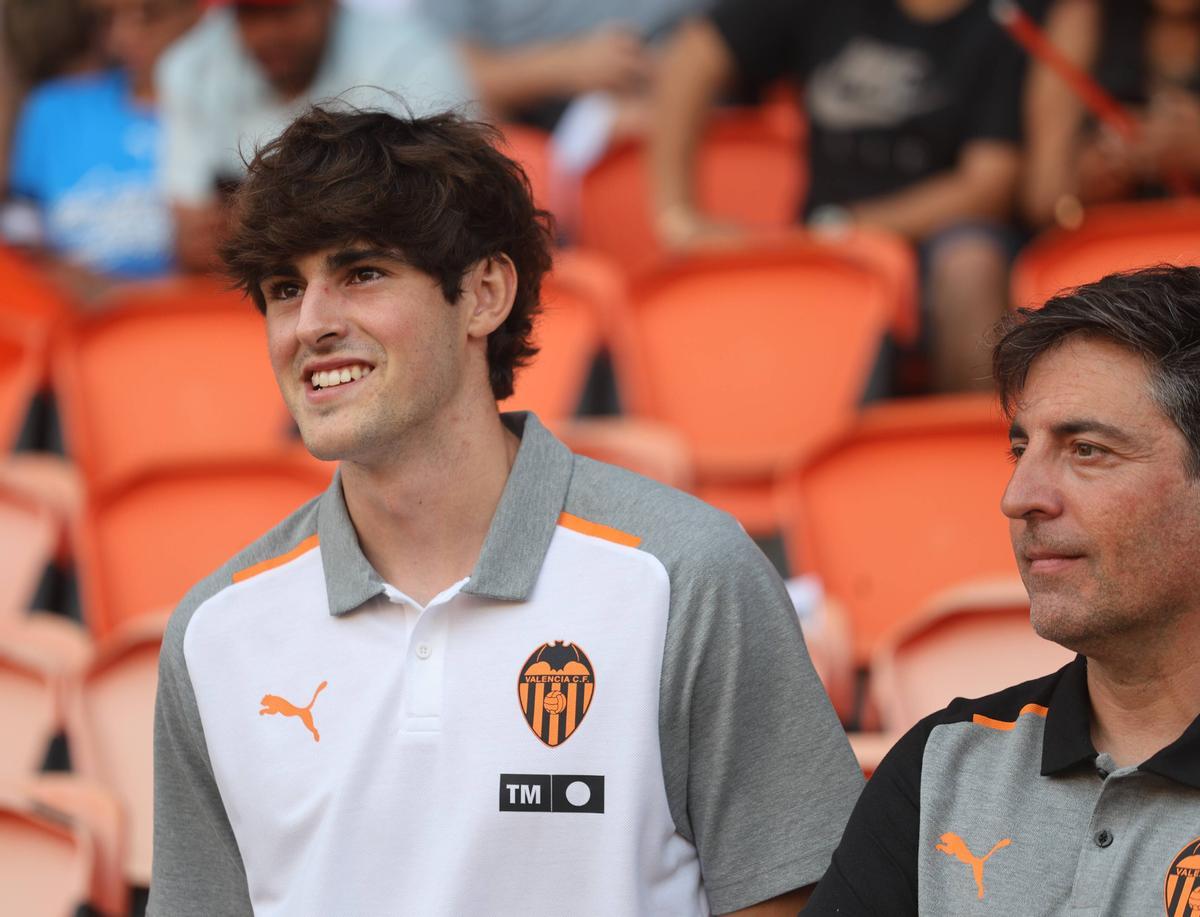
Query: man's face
point(287, 39)
point(1104, 518)
point(358, 313)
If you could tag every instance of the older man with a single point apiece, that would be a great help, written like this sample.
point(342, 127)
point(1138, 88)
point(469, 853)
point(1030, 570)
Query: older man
point(1078, 792)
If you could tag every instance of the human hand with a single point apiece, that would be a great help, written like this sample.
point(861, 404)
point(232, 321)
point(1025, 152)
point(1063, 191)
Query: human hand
point(682, 229)
point(612, 59)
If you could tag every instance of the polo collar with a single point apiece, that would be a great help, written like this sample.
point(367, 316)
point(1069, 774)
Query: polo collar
point(1067, 740)
point(516, 542)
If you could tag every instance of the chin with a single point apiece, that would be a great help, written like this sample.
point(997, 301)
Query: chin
point(1061, 620)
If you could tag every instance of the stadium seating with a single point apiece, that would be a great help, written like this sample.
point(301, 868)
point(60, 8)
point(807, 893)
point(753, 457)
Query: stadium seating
point(756, 357)
point(971, 640)
point(531, 148)
point(29, 532)
point(22, 372)
point(92, 808)
point(30, 694)
point(48, 861)
point(173, 373)
point(585, 312)
point(905, 504)
point(749, 171)
point(1115, 237)
point(144, 544)
point(110, 727)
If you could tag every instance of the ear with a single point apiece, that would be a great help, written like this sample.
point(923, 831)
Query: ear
point(492, 284)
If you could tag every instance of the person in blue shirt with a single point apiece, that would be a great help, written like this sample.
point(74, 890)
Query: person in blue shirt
point(84, 169)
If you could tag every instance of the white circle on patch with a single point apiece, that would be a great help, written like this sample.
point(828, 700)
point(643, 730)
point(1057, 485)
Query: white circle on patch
point(578, 793)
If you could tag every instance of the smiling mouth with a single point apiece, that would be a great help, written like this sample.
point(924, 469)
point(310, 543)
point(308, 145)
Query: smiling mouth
point(340, 376)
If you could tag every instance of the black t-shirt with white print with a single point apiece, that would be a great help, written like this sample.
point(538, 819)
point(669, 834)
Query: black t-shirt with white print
point(891, 99)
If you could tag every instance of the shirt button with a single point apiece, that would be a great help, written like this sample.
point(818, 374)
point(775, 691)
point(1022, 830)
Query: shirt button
point(1103, 838)
point(424, 651)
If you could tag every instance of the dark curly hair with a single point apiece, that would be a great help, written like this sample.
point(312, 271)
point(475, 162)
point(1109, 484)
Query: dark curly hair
point(1153, 312)
point(434, 188)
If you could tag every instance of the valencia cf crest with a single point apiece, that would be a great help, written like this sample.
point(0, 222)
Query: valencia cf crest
point(1182, 887)
point(555, 689)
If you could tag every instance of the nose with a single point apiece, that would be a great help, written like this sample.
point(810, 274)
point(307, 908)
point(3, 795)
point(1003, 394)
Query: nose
point(1033, 490)
point(322, 319)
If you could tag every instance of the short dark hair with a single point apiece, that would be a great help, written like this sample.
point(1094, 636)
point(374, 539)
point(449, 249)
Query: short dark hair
point(435, 188)
point(1154, 312)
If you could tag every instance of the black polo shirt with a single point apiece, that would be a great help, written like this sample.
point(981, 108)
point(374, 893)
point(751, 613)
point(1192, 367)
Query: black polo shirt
point(1001, 805)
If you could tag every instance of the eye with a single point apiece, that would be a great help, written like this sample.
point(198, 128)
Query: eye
point(282, 290)
point(1087, 450)
point(365, 274)
point(1015, 451)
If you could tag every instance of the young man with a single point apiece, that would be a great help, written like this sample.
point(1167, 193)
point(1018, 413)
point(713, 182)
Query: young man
point(480, 674)
point(1078, 792)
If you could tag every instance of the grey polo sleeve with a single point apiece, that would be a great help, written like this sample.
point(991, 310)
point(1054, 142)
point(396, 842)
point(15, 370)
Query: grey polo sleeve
point(759, 774)
point(197, 866)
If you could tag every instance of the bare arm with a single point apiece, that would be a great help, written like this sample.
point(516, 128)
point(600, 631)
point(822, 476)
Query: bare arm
point(787, 905)
point(609, 59)
point(696, 66)
point(1054, 116)
point(981, 186)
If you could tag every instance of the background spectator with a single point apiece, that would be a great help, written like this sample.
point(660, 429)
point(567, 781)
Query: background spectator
point(246, 70)
point(531, 57)
point(41, 39)
point(914, 120)
point(86, 153)
point(1146, 54)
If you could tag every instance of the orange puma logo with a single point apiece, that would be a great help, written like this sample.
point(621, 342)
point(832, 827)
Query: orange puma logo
point(273, 704)
point(955, 846)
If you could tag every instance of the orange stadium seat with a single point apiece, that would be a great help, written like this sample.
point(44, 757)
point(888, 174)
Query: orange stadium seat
point(531, 148)
point(904, 505)
point(749, 172)
point(90, 806)
point(110, 727)
point(48, 861)
point(1116, 237)
point(143, 545)
point(584, 310)
point(22, 373)
point(29, 707)
point(971, 640)
point(756, 358)
point(174, 373)
point(25, 292)
point(29, 532)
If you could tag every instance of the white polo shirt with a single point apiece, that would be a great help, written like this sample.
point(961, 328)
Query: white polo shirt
point(614, 714)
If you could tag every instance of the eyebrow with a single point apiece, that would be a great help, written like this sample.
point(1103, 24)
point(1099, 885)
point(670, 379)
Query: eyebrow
point(1074, 427)
point(348, 256)
point(334, 261)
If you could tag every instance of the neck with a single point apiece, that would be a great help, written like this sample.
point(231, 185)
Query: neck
point(1143, 700)
point(422, 514)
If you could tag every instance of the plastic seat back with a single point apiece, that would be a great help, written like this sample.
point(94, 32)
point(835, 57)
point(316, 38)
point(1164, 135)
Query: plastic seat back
point(29, 533)
point(110, 724)
point(748, 172)
point(972, 640)
point(904, 505)
point(22, 371)
point(178, 373)
point(1117, 237)
point(29, 708)
point(756, 358)
point(46, 862)
point(583, 302)
point(531, 148)
point(144, 545)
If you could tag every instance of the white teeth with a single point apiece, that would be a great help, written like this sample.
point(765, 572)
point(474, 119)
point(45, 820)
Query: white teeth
point(339, 376)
